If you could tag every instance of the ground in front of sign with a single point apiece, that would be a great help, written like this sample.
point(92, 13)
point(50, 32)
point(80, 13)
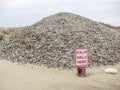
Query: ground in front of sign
point(29, 77)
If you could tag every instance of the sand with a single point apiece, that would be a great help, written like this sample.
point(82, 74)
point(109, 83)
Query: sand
point(14, 76)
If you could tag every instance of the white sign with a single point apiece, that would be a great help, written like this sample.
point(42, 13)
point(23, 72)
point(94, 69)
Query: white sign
point(81, 56)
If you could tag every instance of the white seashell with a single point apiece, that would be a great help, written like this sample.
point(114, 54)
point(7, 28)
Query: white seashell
point(111, 70)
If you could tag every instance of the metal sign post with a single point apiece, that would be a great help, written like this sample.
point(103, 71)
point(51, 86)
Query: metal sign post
point(81, 56)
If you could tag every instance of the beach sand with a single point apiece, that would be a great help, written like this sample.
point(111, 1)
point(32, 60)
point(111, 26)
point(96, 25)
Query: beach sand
point(14, 76)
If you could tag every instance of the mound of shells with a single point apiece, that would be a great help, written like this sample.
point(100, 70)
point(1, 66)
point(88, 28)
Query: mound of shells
point(52, 41)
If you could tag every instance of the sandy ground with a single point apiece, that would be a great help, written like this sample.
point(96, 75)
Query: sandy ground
point(14, 76)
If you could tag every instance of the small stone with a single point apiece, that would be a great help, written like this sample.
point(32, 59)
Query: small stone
point(111, 71)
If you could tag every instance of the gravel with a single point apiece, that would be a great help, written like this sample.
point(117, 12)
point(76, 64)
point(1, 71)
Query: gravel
point(52, 41)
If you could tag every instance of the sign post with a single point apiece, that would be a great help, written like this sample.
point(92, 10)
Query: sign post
point(81, 56)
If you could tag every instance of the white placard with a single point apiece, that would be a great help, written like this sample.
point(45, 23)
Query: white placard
point(81, 56)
